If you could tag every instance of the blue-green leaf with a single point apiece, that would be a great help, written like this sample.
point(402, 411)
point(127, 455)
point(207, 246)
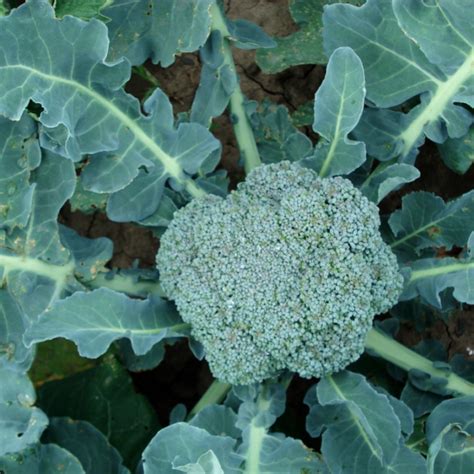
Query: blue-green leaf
point(428, 277)
point(217, 420)
point(386, 179)
point(338, 105)
point(87, 444)
point(85, 9)
point(181, 444)
point(458, 153)
point(156, 29)
point(399, 44)
point(21, 424)
point(207, 463)
point(105, 397)
point(451, 452)
point(13, 353)
point(87, 111)
point(95, 319)
point(425, 220)
point(41, 459)
point(20, 156)
point(353, 418)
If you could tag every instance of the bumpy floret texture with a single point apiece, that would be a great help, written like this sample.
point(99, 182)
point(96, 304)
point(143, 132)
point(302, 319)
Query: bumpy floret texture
point(287, 272)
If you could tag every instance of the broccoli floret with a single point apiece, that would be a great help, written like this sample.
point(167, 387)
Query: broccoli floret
point(286, 272)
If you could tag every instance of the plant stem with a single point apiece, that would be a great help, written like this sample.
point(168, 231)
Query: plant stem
point(214, 394)
point(242, 128)
point(399, 355)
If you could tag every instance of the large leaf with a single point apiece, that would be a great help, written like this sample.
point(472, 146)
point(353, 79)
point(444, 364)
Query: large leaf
point(354, 418)
point(105, 397)
point(399, 44)
point(425, 220)
point(428, 277)
point(302, 47)
point(87, 111)
point(338, 105)
point(41, 459)
point(95, 319)
point(157, 29)
point(85, 9)
point(87, 444)
point(21, 424)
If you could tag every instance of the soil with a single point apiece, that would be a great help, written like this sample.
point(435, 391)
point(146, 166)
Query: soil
point(181, 378)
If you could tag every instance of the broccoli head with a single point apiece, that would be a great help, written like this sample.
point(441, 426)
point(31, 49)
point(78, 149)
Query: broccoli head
point(286, 272)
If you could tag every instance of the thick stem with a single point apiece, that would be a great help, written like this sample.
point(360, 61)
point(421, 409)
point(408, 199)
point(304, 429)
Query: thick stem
point(242, 128)
point(214, 394)
point(399, 355)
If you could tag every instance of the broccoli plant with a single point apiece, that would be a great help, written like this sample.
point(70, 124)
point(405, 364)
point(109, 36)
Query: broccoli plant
point(316, 278)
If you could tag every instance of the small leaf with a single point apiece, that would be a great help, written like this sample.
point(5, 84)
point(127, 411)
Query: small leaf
point(338, 105)
point(207, 463)
point(95, 319)
point(85, 9)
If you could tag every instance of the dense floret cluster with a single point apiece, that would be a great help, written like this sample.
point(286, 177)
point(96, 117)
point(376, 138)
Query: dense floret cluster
point(287, 272)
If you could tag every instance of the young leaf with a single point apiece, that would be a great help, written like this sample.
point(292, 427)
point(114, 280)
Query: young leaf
point(105, 397)
point(181, 444)
point(403, 58)
point(338, 105)
point(39, 459)
point(21, 424)
point(86, 443)
point(156, 29)
point(425, 220)
point(302, 47)
point(95, 319)
point(85, 9)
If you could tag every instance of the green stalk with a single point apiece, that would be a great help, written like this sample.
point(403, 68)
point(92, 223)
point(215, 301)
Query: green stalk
point(214, 394)
point(399, 355)
point(242, 128)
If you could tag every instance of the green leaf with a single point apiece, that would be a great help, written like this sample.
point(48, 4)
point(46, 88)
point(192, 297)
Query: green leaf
point(86, 201)
point(85, 9)
point(302, 47)
point(207, 463)
point(452, 451)
point(353, 418)
point(385, 179)
point(428, 277)
point(458, 153)
point(41, 459)
point(217, 420)
point(21, 424)
point(105, 397)
point(20, 156)
point(425, 221)
point(95, 319)
point(303, 115)
point(81, 88)
point(157, 29)
point(338, 105)
point(181, 444)
point(409, 48)
point(87, 444)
